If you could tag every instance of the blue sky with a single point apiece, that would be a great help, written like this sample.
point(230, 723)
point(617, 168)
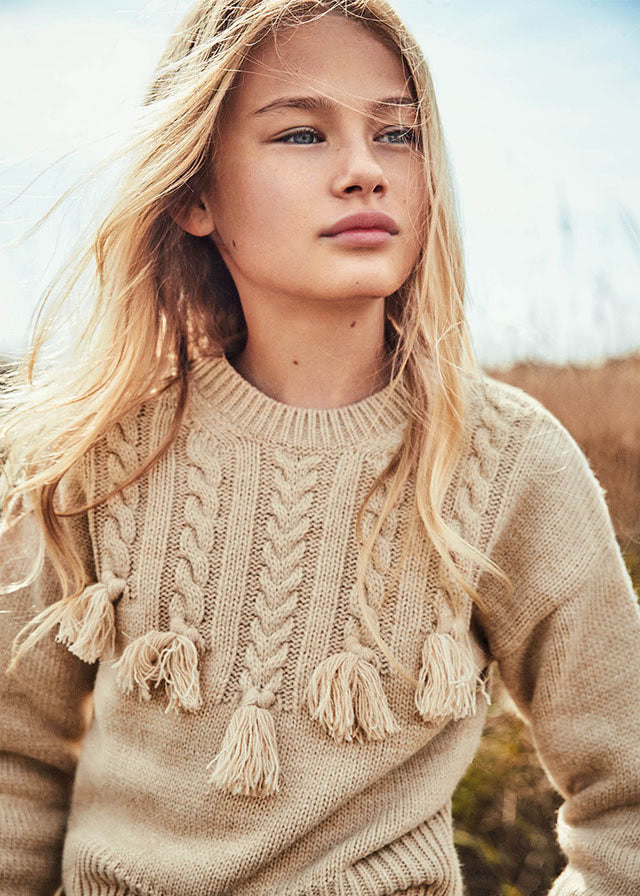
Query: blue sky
point(539, 106)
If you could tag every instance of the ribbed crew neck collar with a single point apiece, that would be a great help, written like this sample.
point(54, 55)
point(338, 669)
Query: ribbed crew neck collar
point(221, 392)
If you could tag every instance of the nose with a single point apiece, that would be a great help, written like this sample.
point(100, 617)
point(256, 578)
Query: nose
point(359, 171)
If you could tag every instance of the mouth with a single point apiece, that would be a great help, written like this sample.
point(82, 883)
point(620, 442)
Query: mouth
point(362, 236)
point(366, 222)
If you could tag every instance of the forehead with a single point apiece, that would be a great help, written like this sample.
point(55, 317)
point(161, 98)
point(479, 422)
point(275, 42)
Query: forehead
point(331, 55)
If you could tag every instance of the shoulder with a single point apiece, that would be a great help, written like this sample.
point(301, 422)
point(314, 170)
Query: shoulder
point(550, 530)
point(533, 435)
point(550, 502)
point(506, 405)
point(539, 474)
point(135, 436)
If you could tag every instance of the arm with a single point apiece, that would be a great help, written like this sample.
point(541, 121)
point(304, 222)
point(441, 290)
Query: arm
point(44, 714)
point(568, 648)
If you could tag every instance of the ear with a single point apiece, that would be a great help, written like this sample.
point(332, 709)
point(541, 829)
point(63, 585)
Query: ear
point(196, 217)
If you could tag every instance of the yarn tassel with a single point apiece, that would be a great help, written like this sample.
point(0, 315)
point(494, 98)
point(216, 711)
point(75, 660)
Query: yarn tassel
point(179, 670)
point(247, 762)
point(345, 695)
point(448, 677)
point(87, 626)
point(141, 663)
point(162, 657)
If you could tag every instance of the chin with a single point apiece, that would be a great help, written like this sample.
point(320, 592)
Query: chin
point(374, 286)
point(367, 283)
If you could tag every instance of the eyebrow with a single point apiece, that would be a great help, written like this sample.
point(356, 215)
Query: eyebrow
point(321, 103)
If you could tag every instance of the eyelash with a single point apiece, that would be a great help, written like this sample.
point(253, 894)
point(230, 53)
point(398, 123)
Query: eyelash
point(412, 133)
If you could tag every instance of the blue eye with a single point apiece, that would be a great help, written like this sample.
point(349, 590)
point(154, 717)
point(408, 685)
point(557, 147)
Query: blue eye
point(302, 132)
point(407, 135)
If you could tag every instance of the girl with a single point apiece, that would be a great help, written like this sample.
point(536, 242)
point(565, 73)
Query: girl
point(287, 522)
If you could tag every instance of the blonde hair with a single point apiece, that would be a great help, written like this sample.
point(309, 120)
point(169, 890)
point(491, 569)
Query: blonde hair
point(162, 298)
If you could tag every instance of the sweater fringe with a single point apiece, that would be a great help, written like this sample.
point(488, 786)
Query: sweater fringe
point(87, 626)
point(248, 762)
point(345, 695)
point(156, 658)
point(448, 678)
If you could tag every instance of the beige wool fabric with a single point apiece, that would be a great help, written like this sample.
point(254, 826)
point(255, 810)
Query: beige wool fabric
point(212, 717)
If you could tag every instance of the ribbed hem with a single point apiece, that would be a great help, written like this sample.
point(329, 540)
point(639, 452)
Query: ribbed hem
point(91, 871)
point(422, 862)
point(392, 869)
point(221, 392)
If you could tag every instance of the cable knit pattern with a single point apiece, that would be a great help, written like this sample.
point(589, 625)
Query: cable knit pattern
point(477, 487)
point(271, 626)
point(345, 693)
point(120, 524)
point(171, 658)
point(186, 610)
point(281, 575)
point(374, 578)
point(88, 625)
point(250, 734)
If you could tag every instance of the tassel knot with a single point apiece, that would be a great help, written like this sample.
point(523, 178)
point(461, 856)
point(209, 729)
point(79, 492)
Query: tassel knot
point(354, 645)
point(115, 587)
point(256, 696)
point(178, 625)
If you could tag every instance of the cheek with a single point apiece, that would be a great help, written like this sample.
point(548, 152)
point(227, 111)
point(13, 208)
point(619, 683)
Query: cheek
point(260, 201)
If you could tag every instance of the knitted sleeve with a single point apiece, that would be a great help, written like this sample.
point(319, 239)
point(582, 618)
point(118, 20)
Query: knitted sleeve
point(44, 714)
point(568, 647)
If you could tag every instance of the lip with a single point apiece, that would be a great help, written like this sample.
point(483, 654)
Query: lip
point(364, 239)
point(364, 221)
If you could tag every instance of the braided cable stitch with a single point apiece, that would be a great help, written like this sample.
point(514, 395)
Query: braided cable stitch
point(201, 510)
point(120, 524)
point(172, 658)
point(449, 679)
point(345, 693)
point(375, 575)
point(248, 761)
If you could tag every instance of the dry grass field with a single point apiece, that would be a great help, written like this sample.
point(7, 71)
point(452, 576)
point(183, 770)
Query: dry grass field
point(600, 406)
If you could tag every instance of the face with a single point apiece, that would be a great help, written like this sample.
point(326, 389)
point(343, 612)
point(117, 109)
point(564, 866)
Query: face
point(284, 176)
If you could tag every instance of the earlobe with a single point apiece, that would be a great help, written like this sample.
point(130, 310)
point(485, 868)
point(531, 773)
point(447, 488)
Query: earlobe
point(196, 217)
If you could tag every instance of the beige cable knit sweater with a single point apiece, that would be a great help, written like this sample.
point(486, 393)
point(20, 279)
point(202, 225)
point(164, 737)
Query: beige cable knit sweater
point(245, 736)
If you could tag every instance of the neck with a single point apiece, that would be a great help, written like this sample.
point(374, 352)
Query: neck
point(333, 359)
